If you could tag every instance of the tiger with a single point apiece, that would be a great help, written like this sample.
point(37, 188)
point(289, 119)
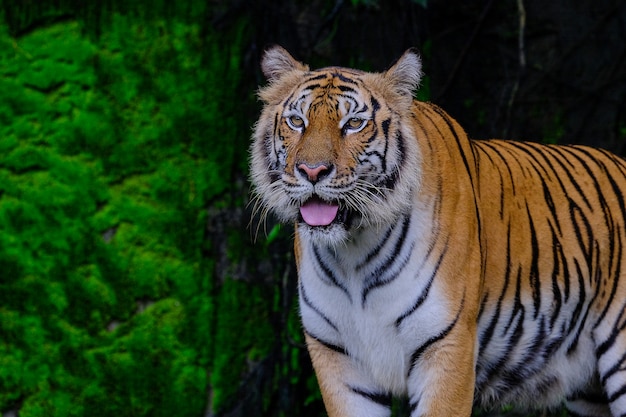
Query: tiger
point(449, 272)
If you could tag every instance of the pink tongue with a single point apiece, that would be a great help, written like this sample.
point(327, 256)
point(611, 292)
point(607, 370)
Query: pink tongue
point(316, 212)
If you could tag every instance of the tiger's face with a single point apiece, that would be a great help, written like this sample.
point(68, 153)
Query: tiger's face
point(332, 151)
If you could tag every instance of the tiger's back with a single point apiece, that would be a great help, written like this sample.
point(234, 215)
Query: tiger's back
point(431, 266)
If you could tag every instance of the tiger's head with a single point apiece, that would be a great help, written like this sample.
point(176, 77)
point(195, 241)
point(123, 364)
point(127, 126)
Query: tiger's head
point(333, 149)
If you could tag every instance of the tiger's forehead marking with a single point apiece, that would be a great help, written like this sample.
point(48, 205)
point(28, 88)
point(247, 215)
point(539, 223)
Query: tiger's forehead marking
point(335, 77)
point(336, 87)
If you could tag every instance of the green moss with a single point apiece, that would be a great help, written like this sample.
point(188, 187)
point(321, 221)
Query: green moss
point(147, 370)
point(111, 149)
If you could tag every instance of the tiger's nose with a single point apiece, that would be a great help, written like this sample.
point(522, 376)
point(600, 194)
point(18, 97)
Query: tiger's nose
point(316, 172)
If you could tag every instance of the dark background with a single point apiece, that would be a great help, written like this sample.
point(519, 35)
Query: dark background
point(133, 281)
point(533, 70)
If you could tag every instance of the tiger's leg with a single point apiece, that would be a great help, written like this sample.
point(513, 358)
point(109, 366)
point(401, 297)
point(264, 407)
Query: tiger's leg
point(345, 390)
point(442, 376)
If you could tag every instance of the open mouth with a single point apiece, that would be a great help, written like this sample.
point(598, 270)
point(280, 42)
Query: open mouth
point(318, 213)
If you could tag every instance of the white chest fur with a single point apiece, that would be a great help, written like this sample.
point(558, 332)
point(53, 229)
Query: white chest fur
point(363, 298)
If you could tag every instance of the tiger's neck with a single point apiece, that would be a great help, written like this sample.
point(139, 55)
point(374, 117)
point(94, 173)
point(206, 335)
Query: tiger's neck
point(371, 255)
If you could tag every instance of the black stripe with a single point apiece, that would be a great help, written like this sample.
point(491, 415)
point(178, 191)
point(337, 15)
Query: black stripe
point(307, 301)
point(604, 347)
point(379, 398)
point(483, 303)
point(389, 182)
point(446, 118)
point(505, 162)
point(547, 195)
point(558, 152)
point(385, 125)
point(353, 105)
point(618, 193)
point(378, 155)
point(374, 136)
point(486, 336)
point(556, 341)
point(343, 78)
point(363, 108)
point(424, 295)
point(382, 275)
point(331, 346)
point(582, 295)
point(345, 88)
point(383, 280)
point(615, 280)
point(533, 359)
point(517, 305)
point(498, 367)
point(533, 355)
point(384, 155)
point(311, 87)
point(329, 274)
point(574, 343)
point(617, 367)
point(557, 297)
point(375, 105)
point(415, 357)
point(316, 77)
point(493, 163)
point(449, 121)
point(374, 252)
point(401, 149)
point(397, 248)
point(535, 282)
point(585, 241)
point(566, 274)
point(530, 149)
point(617, 394)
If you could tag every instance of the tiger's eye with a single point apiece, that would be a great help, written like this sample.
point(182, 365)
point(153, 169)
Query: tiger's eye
point(296, 122)
point(354, 123)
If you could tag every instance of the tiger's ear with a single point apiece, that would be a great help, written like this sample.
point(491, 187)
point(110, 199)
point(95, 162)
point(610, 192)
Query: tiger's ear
point(277, 61)
point(406, 74)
